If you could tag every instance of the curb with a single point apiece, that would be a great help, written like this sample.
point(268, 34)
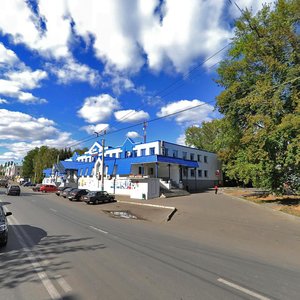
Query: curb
point(174, 209)
point(276, 212)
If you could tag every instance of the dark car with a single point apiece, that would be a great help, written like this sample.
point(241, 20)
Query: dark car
point(65, 193)
point(77, 194)
point(97, 197)
point(13, 190)
point(28, 184)
point(37, 187)
point(61, 189)
point(3, 226)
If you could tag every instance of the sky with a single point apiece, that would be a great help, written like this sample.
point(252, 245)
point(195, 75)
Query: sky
point(70, 68)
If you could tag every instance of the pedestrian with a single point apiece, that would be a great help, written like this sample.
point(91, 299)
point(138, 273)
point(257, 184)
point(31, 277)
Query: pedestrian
point(216, 189)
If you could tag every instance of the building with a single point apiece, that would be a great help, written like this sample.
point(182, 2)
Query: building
point(156, 166)
point(12, 170)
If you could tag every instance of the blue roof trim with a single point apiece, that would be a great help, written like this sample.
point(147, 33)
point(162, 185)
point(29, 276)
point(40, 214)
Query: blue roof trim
point(178, 161)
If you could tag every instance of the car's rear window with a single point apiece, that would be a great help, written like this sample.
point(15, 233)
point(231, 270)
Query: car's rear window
point(14, 187)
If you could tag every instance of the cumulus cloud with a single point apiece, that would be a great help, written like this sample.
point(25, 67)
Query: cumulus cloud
point(130, 115)
point(27, 132)
point(69, 71)
point(157, 33)
point(181, 140)
point(98, 109)
point(201, 112)
point(99, 128)
point(17, 78)
point(133, 134)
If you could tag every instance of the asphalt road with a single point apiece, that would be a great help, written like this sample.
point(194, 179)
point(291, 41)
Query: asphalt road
point(63, 250)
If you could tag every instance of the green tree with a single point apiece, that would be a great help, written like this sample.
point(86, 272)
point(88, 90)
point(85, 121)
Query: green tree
point(28, 168)
point(260, 101)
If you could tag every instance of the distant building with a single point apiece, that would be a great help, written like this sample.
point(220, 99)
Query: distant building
point(12, 170)
point(157, 166)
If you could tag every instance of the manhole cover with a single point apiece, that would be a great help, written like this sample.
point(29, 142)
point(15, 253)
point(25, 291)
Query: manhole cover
point(122, 214)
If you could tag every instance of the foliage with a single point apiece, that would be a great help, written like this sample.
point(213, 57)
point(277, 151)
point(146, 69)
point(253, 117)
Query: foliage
point(28, 171)
point(260, 100)
point(81, 151)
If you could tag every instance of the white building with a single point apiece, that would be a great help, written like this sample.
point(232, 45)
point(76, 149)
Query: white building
point(155, 166)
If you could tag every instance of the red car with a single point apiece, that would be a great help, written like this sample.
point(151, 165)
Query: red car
point(48, 188)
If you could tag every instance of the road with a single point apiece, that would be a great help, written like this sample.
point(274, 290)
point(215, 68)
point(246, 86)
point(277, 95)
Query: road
point(59, 249)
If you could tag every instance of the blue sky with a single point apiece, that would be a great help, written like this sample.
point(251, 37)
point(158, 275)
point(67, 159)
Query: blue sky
point(69, 68)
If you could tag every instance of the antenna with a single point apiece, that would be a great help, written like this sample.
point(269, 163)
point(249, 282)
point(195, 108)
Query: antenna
point(144, 129)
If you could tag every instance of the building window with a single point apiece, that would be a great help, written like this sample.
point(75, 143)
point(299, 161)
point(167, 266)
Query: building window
point(152, 151)
point(192, 156)
point(205, 173)
point(199, 173)
point(175, 153)
point(114, 155)
point(199, 157)
point(81, 171)
point(192, 173)
point(205, 159)
point(166, 152)
point(134, 152)
point(151, 170)
point(143, 152)
point(119, 155)
point(184, 172)
point(184, 155)
point(141, 170)
point(86, 171)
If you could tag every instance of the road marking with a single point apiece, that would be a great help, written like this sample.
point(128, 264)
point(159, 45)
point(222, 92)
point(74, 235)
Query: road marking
point(242, 289)
point(52, 209)
point(52, 291)
point(98, 229)
point(62, 282)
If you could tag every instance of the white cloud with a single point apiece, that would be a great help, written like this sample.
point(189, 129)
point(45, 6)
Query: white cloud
point(28, 132)
point(91, 129)
point(181, 140)
point(98, 109)
point(27, 79)
point(133, 134)
point(7, 56)
point(125, 35)
point(70, 71)
point(202, 112)
point(130, 115)
point(3, 101)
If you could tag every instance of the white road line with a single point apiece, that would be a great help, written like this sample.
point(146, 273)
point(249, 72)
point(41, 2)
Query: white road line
point(98, 229)
point(242, 289)
point(62, 282)
point(52, 209)
point(52, 291)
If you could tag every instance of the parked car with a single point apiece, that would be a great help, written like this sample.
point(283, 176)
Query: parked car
point(13, 190)
point(37, 187)
point(97, 197)
point(61, 189)
point(3, 183)
point(28, 184)
point(65, 192)
point(48, 188)
point(77, 194)
point(3, 226)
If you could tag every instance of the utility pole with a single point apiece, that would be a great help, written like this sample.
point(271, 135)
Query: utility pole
point(102, 171)
point(144, 129)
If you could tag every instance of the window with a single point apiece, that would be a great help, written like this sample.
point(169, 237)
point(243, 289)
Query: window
point(81, 171)
point(86, 171)
point(205, 159)
point(143, 152)
point(134, 153)
point(192, 156)
point(184, 155)
point(205, 173)
point(184, 171)
point(175, 153)
point(141, 170)
point(166, 152)
point(114, 155)
point(152, 151)
point(151, 171)
point(192, 173)
point(199, 173)
point(199, 157)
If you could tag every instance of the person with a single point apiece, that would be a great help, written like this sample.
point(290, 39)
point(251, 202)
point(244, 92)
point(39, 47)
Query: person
point(216, 189)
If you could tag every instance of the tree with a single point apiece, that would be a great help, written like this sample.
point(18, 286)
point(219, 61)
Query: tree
point(28, 171)
point(260, 101)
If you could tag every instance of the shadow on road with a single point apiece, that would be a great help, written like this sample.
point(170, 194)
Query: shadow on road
point(17, 257)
